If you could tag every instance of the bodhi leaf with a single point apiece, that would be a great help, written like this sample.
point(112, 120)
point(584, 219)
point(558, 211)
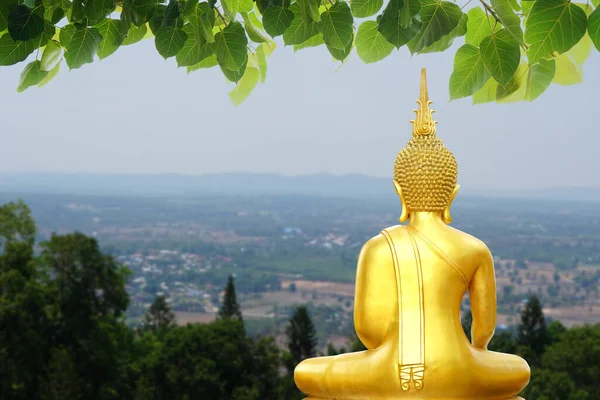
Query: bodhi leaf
point(111, 37)
point(245, 86)
point(341, 55)
point(230, 47)
point(235, 76)
point(261, 60)
point(31, 75)
point(409, 10)
point(390, 25)
point(170, 40)
point(439, 19)
point(594, 27)
point(510, 21)
point(232, 7)
point(515, 89)
point(82, 47)
point(553, 26)
point(51, 56)
point(51, 74)
point(277, 20)
point(314, 41)
point(371, 46)
point(208, 62)
point(195, 48)
point(96, 10)
point(446, 41)
point(365, 8)
point(567, 72)
point(487, 93)
point(300, 30)
point(479, 26)
point(203, 19)
point(539, 77)
point(12, 52)
point(308, 10)
point(501, 55)
point(135, 34)
point(25, 23)
point(336, 26)
point(469, 73)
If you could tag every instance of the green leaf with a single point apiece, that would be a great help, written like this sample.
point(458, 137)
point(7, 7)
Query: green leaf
point(135, 34)
point(230, 47)
point(255, 21)
point(51, 74)
point(170, 40)
point(190, 7)
point(553, 26)
point(252, 32)
point(235, 76)
point(341, 55)
point(501, 55)
point(24, 23)
point(82, 47)
point(277, 19)
point(208, 62)
point(391, 24)
point(195, 49)
point(567, 72)
point(594, 28)
point(172, 13)
point(446, 41)
point(261, 60)
point(232, 7)
point(140, 10)
point(245, 86)
point(76, 13)
point(487, 93)
point(309, 10)
point(51, 56)
point(365, 8)
point(469, 73)
point(514, 91)
point(31, 75)
point(111, 37)
point(336, 26)
point(439, 19)
point(409, 10)
point(66, 33)
point(157, 18)
point(314, 41)
point(203, 19)
point(596, 3)
point(12, 52)
point(539, 77)
point(300, 30)
point(371, 46)
point(479, 26)
point(509, 19)
point(96, 10)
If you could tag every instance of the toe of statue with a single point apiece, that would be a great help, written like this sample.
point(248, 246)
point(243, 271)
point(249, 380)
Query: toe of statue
point(309, 376)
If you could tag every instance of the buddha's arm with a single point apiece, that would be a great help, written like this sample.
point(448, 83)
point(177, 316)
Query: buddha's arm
point(482, 293)
point(375, 293)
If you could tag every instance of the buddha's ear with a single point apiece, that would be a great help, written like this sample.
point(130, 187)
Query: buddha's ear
point(446, 215)
point(404, 215)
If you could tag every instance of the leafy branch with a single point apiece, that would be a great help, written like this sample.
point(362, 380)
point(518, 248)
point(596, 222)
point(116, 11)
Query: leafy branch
point(512, 49)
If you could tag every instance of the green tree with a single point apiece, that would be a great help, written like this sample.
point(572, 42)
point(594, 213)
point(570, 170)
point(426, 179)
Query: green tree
point(509, 51)
point(159, 315)
point(532, 332)
point(301, 335)
point(230, 309)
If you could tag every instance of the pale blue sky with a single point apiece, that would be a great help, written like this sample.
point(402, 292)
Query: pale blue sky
point(136, 113)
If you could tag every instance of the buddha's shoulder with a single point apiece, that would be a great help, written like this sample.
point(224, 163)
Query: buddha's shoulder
point(469, 240)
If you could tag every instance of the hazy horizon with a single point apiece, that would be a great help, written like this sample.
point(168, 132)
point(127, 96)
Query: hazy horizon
point(136, 113)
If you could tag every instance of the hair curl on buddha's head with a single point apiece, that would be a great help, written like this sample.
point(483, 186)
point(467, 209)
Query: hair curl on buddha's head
point(427, 173)
point(425, 169)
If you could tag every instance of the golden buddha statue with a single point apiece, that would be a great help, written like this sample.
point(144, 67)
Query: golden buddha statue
point(410, 282)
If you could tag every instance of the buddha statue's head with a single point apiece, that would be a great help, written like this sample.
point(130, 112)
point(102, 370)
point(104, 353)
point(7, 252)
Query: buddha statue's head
point(425, 172)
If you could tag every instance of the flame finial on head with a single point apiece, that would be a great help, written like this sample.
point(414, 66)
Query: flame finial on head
point(423, 124)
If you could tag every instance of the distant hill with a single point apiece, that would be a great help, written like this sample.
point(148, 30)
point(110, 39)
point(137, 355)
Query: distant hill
point(350, 185)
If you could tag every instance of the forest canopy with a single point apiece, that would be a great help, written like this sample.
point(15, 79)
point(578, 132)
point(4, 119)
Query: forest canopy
point(512, 50)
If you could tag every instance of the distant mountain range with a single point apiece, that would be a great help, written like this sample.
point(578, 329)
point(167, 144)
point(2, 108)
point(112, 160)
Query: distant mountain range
point(350, 185)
